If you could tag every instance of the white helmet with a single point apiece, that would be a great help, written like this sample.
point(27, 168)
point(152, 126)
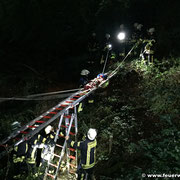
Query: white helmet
point(151, 30)
point(108, 36)
point(15, 125)
point(48, 129)
point(84, 72)
point(92, 133)
point(139, 26)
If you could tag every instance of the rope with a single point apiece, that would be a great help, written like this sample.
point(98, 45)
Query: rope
point(116, 70)
point(105, 61)
point(35, 96)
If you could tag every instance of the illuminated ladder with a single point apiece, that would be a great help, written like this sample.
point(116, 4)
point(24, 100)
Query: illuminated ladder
point(32, 128)
point(67, 122)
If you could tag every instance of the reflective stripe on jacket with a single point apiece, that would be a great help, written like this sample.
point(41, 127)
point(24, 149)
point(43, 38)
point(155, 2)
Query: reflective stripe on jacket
point(20, 152)
point(88, 152)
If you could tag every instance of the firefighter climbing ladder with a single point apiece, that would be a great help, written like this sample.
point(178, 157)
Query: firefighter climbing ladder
point(70, 121)
point(59, 113)
point(66, 115)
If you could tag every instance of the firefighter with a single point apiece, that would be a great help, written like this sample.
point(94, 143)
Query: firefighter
point(48, 144)
point(93, 48)
point(137, 37)
point(88, 154)
point(19, 159)
point(19, 154)
point(84, 77)
point(105, 48)
point(149, 46)
point(34, 143)
point(134, 36)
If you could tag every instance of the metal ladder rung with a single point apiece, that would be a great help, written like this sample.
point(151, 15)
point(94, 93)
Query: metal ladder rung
point(23, 132)
point(72, 172)
point(32, 126)
point(72, 99)
point(68, 116)
point(59, 108)
point(53, 165)
point(72, 157)
point(71, 133)
point(47, 117)
point(50, 175)
point(71, 125)
point(64, 105)
point(63, 126)
point(53, 112)
point(77, 96)
point(71, 149)
point(68, 101)
point(40, 121)
point(57, 155)
point(72, 165)
point(59, 145)
point(61, 136)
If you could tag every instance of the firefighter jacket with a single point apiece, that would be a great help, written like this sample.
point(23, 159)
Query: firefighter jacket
point(32, 148)
point(88, 152)
point(20, 151)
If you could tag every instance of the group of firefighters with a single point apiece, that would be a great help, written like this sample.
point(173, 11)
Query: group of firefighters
point(31, 157)
point(33, 154)
point(118, 49)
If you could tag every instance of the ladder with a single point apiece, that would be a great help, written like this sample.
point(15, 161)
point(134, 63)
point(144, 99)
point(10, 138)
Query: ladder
point(67, 122)
point(63, 112)
point(32, 128)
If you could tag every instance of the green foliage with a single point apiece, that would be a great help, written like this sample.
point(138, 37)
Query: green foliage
point(140, 117)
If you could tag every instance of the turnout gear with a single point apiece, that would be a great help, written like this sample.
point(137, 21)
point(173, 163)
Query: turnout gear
point(93, 50)
point(35, 142)
point(19, 157)
point(147, 52)
point(88, 154)
point(84, 78)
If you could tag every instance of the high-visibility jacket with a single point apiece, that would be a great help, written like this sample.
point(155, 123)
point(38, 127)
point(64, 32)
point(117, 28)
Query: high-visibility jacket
point(88, 152)
point(33, 145)
point(20, 151)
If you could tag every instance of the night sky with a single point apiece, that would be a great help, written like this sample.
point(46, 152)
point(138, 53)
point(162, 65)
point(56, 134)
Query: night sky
point(51, 36)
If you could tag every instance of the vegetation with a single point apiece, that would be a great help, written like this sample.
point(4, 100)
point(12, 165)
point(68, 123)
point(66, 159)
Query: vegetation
point(139, 115)
point(43, 47)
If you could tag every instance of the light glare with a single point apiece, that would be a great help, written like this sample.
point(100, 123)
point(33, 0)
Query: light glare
point(121, 36)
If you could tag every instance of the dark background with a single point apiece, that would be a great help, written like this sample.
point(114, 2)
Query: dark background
point(48, 38)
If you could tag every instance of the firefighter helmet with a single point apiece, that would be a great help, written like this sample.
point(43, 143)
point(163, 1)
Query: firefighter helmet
point(48, 129)
point(139, 26)
point(15, 125)
point(107, 36)
point(84, 72)
point(151, 30)
point(92, 133)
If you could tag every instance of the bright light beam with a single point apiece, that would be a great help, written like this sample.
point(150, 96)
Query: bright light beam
point(121, 36)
